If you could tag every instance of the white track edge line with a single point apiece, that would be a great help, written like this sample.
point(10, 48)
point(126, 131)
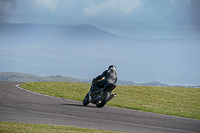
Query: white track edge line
point(18, 86)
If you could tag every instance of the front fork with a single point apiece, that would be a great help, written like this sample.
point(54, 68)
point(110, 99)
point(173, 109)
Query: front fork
point(91, 90)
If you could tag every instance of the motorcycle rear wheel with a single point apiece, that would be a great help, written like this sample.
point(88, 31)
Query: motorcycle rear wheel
point(104, 100)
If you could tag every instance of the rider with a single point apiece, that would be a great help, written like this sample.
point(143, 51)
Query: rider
point(110, 76)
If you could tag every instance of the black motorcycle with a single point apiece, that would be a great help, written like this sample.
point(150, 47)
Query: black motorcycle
point(99, 97)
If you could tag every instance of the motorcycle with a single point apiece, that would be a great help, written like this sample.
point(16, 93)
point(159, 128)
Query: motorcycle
point(101, 96)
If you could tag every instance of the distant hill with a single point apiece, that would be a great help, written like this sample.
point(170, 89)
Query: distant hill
point(50, 35)
point(21, 77)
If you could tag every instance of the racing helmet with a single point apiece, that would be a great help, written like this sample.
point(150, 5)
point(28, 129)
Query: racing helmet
point(112, 67)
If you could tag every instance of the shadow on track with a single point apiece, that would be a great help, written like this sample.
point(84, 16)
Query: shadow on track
point(79, 105)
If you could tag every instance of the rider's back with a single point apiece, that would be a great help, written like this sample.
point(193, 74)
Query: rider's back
point(111, 76)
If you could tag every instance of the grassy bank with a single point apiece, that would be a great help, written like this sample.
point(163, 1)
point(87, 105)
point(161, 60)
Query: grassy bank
point(176, 101)
point(11, 127)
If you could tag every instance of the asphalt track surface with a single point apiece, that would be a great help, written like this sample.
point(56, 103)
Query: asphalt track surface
point(18, 105)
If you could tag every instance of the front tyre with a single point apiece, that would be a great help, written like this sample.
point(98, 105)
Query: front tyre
point(104, 100)
point(86, 100)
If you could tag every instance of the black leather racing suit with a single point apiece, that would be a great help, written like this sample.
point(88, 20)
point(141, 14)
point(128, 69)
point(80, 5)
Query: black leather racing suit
point(110, 76)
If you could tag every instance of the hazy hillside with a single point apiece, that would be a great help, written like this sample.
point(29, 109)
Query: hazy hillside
point(53, 34)
point(21, 77)
point(85, 51)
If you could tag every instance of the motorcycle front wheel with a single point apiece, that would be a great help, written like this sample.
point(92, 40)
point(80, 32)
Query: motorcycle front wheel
point(86, 100)
point(104, 100)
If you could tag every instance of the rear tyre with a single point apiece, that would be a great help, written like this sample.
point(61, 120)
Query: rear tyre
point(104, 100)
point(86, 100)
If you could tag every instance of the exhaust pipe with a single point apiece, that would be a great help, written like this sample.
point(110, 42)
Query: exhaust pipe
point(112, 96)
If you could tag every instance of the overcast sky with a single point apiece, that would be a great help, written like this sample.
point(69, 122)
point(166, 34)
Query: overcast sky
point(138, 19)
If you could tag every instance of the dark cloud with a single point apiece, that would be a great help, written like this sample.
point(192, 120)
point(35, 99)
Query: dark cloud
point(112, 15)
point(195, 12)
point(11, 2)
point(172, 12)
point(184, 13)
point(5, 7)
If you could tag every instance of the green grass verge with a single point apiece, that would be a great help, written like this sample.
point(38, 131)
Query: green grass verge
point(11, 127)
point(175, 101)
